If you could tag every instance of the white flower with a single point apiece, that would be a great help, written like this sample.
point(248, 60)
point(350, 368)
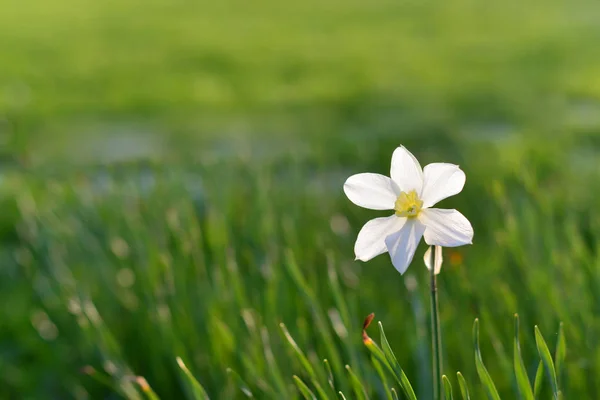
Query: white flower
point(411, 192)
point(438, 259)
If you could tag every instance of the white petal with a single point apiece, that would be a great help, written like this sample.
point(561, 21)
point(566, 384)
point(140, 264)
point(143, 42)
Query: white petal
point(406, 171)
point(447, 228)
point(438, 258)
point(403, 244)
point(373, 191)
point(441, 180)
point(371, 238)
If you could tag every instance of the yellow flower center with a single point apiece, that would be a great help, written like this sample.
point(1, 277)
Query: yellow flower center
point(408, 204)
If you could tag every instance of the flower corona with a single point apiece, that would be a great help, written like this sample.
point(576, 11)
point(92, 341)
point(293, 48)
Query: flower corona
point(408, 204)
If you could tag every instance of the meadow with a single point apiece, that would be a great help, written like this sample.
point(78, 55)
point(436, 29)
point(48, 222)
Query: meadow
point(171, 186)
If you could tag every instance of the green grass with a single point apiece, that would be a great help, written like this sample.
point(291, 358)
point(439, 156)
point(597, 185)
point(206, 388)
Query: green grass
point(170, 186)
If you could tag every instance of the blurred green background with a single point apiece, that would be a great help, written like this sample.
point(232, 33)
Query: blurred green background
point(171, 185)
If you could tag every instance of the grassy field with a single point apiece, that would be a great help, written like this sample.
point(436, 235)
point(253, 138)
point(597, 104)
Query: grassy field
point(171, 185)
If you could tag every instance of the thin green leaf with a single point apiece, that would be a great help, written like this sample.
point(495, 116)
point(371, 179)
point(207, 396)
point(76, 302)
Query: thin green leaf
point(357, 385)
point(547, 360)
point(347, 321)
point(539, 380)
point(198, 392)
point(303, 389)
point(240, 383)
point(560, 354)
point(523, 383)
point(330, 379)
point(462, 383)
point(273, 368)
point(102, 379)
point(484, 376)
point(304, 361)
point(342, 395)
point(447, 388)
point(146, 389)
point(395, 394)
point(319, 319)
point(393, 362)
point(382, 377)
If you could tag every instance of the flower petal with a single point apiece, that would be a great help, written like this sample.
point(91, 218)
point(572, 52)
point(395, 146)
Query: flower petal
point(403, 244)
point(373, 191)
point(441, 180)
point(438, 258)
point(446, 228)
point(406, 171)
point(371, 238)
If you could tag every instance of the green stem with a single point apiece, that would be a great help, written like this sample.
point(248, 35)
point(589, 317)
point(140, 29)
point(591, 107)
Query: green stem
point(436, 336)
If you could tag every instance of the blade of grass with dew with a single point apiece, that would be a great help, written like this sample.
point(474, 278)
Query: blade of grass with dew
point(462, 383)
point(391, 359)
point(547, 360)
point(484, 376)
point(359, 390)
point(539, 380)
point(198, 392)
point(560, 354)
point(523, 383)
point(447, 388)
point(304, 361)
point(303, 389)
point(240, 383)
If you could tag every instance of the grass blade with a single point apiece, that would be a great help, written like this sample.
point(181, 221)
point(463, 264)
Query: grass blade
point(304, 361)
point(547, 360)
point(320, 321)
point(380, 355)
point(523, 383)
point(357, 385)
point(330, 379)
point(539, 380)
point(384, 381)
point(447, 388)
point(462, 383)
point(240, 383)
point(391, 358)
point(484, 376)
point(143, 383)
point(395, 394)
point(560, 354)
point(303, 389)
point(342, 396)
point(274, 369)
point(198, 392)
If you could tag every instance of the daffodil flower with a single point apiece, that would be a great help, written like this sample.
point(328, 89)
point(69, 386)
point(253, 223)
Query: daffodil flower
point(410, 192)
point(438, 260)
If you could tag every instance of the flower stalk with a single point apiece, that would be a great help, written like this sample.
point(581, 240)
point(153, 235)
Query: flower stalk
point(436, 335)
